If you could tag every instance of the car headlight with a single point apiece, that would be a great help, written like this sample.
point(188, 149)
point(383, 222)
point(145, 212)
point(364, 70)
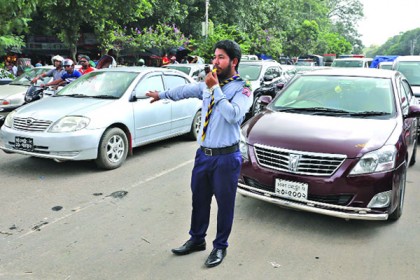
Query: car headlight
point(377, 161)
point(243, 147)
point(69, 124)
point(9, 119)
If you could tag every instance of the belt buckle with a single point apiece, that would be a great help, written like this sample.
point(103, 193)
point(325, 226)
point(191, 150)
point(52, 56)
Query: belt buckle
point(208, 152)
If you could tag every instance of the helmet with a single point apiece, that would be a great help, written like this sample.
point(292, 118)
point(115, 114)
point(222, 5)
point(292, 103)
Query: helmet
point(141, 61)
point(58, 58)
point(68, 62)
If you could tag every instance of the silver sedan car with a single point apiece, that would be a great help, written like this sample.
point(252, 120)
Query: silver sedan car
point(102, 116)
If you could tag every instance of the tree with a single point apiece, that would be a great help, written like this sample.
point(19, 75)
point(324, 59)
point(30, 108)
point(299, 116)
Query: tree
point(67, 17)
point(14, 20)
point(160, 38)
point(204, 46)
point(304, 39)
point(344, 14)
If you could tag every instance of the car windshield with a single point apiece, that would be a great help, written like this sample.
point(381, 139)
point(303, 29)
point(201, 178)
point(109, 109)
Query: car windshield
point(98, 84)
point(344, 95)
point(411, 70)
point(347, 63)
point(25, 78)
point(249, 72)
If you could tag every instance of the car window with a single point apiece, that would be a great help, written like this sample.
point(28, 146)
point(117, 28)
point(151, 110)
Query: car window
point(273, 71)
point(406, 96)
point(184, 69)
point(151, 82)
point(411, 70)
point(172, 81)
point(250, 72)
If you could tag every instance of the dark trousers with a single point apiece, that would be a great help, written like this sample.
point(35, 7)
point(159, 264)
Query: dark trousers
point(218, 176)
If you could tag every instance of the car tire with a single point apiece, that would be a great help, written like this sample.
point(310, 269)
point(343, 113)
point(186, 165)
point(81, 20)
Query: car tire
point(195, 126)
point(396, 214)
point(113, 149)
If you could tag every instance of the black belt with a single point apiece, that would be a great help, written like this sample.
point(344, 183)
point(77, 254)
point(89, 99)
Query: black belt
point(219, 151)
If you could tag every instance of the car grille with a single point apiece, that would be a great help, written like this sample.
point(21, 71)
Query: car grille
point(343, 199)
point(30, 124)
point(298, 162)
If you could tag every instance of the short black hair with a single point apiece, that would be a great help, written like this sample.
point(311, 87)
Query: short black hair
point(232, 49)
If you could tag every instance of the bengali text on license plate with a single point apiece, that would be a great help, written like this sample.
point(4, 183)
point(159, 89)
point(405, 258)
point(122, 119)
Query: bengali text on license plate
point(23, 143)
point(292, 190)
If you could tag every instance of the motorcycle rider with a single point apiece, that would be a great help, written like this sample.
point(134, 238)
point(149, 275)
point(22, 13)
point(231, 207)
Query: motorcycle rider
point(56, 73)
point(86, 67)
point(69, 75)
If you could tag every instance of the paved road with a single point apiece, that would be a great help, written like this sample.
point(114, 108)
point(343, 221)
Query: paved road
point(72, 221)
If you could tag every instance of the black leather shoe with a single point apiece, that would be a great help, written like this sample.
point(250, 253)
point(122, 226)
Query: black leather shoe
point(216, 257)
point(189, 247)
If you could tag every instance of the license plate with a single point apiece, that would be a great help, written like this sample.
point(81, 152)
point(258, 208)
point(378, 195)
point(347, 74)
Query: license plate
point(23, 143)
point(291, 190)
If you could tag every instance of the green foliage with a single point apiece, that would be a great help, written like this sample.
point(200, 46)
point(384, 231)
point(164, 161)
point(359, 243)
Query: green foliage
point(14, 20)
point(267, 42)
point(162, 37)
point(406, 43)
point(332, 43)
point(204, 47)
point(304, 39)
point(273, 27)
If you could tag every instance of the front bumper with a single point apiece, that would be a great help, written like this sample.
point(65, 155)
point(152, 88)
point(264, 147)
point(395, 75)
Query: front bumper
point(338, 211)
point(79, 145)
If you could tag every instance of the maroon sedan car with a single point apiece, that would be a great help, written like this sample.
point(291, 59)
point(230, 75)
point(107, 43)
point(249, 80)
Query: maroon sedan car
point(335, 142)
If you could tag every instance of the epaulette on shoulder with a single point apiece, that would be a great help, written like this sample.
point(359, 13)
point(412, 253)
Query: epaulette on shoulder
point(247, 84)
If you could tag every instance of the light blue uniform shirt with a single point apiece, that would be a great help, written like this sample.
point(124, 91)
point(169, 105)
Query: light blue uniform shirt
point(232, 102)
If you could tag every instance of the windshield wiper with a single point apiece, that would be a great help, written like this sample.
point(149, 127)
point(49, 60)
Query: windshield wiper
point(316, 110)
point(104, 96)
point(77, 95)
point(369, 113)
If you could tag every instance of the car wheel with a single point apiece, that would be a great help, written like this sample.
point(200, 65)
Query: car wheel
point(396, 214)
point(195, 126)
point(113, 149)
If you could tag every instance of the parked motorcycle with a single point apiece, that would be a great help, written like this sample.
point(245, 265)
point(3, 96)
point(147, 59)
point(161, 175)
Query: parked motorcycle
point(36, 92)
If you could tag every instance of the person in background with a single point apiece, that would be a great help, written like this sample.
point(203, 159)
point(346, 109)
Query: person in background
point(184, 60)
point(86, 67)
point(55, 73)
point(165, 60)
point(173, 60)
point(67, 77)
point(107, 61)
point(38, 64)
point(14, 69)
point(141, 62)
point(226, 100)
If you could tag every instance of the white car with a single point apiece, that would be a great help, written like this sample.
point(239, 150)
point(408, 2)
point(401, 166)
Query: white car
point(260, 73)
point(12, 95)
point(102, 116)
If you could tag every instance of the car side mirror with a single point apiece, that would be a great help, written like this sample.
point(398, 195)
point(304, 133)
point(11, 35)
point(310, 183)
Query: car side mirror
point(280, 85)
point(413, 111)
point(265, 99)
